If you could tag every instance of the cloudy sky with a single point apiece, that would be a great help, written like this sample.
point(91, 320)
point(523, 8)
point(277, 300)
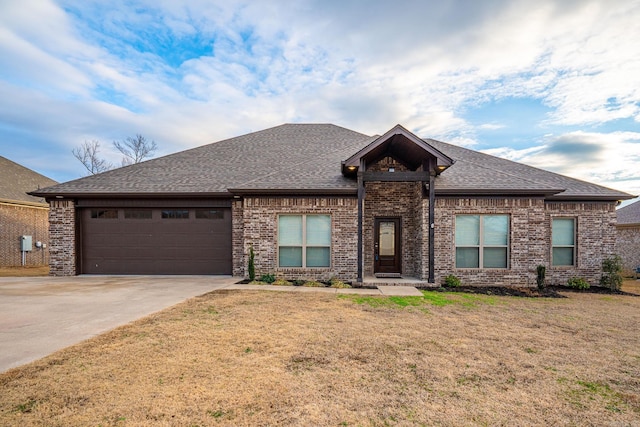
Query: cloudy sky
point(554, 84)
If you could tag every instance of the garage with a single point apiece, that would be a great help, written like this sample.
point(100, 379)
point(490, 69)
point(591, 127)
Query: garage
point(143, 239)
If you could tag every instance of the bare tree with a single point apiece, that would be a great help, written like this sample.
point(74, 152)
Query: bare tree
point(87, 153)
point(135, 149)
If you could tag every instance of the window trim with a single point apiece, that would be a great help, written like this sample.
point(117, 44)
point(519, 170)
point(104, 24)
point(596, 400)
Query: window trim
point(574, 246)
point(304, 245)
point(481, 246)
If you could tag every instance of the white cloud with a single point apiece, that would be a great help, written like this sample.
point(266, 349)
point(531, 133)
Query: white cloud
point(609, 159)
point(98, 71)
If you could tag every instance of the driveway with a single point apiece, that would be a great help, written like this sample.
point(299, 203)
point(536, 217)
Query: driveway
point(40, 315)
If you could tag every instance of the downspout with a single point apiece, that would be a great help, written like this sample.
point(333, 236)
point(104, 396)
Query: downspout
point(432, 231)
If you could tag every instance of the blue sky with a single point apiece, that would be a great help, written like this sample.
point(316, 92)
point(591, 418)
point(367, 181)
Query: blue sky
point(554, 84)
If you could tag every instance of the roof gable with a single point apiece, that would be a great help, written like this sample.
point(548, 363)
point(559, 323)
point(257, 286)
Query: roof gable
point(403, 146)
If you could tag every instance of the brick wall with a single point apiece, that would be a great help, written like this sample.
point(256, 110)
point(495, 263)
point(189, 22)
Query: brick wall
point(530, 239)
point(628, 247)
point(18, 220)
point(62, 224)
point(259, 228)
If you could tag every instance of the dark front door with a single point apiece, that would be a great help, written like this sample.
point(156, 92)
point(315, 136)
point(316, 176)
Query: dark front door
point(387, 246)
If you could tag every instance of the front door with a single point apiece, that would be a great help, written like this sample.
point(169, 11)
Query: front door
point(387, 246)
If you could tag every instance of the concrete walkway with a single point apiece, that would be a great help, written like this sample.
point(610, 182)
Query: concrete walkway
point(40, 315)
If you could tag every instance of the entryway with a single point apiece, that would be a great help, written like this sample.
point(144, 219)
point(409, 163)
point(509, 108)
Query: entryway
point(387, 247)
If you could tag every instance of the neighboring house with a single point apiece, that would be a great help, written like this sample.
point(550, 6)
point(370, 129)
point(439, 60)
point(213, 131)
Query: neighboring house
point(22, 215)
point(319, 200)
point(628, 243)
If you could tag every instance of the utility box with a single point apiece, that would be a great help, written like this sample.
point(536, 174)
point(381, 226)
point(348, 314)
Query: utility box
point(26, 243)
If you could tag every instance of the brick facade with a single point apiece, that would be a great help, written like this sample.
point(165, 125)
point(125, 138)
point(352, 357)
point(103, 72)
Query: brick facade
point(259, 228)
point(255, 223)
point(19, 220)
point(628, 247)
point(62, 230)
point(530, 239)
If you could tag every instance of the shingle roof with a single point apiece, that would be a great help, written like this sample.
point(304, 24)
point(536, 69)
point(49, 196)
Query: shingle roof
point(298, 158)
point(16, 181)
point(629, 214)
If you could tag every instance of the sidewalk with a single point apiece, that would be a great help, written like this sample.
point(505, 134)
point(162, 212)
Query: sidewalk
point(379, 290)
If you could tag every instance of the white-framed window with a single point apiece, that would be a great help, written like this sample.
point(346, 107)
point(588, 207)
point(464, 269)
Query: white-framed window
point(563, 241)
point(482, 241)
point(304, 241)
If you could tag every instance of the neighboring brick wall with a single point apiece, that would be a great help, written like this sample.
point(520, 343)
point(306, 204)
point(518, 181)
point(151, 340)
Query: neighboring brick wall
point(530, 227)
point(62, 230)
point(628, 247)
point(259, 228)
point(18, 220)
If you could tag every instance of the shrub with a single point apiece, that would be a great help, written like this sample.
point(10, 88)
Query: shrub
point(339, 284)
point(268, 278)
point(298, 282)
point(451, 281)
point(541, 272)
point(611, 273)
point(578, 283)
point(314, 284)
point(252, 266)
point(282, 282)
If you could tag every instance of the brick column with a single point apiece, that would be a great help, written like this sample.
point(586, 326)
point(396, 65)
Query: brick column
point(62, 235)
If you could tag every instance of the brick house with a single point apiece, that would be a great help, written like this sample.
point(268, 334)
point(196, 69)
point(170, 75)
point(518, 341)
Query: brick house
point(319, 200)
point(22, 215)
point(628, 241)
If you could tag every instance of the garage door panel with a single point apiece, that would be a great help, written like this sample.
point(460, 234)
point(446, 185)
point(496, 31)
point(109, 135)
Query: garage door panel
point(156, 245)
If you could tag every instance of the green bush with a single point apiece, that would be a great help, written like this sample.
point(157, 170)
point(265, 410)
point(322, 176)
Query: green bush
point(541, 272)
point(612, 273)
point(268, 278)
point(451, 281)
point(252, 266)
point(578, 283)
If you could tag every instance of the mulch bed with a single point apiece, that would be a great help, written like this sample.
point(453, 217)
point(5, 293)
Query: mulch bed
point(547, 292)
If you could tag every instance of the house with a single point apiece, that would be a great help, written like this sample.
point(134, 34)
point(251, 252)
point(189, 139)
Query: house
point(319, 200)
point(628, 241)
point(22, 215)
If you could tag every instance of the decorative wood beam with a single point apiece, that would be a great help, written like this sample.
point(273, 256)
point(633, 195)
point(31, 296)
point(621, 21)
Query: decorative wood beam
point(419, 176)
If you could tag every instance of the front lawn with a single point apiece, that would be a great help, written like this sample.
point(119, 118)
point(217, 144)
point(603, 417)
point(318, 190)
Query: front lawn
point(279, 358)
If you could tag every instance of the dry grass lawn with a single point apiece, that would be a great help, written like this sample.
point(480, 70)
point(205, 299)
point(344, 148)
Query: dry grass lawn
point(308, 359)
point(24, 271)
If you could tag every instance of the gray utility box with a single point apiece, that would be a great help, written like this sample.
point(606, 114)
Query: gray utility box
point(26, 243)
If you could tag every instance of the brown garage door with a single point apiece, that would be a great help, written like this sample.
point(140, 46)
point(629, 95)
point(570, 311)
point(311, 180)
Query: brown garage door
point(155, 241)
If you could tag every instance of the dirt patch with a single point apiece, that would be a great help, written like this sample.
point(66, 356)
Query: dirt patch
point(271, 358)
point(24, 271)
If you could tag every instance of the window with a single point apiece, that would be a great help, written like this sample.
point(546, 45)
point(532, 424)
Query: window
point(563, 241)
point(175, 214)
point(137, 213)
point(304, 241)
point(209, 214)
point(104, 213)
point(482, 240)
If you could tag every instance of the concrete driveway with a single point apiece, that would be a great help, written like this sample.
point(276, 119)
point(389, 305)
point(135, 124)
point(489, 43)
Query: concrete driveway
point(40, 315)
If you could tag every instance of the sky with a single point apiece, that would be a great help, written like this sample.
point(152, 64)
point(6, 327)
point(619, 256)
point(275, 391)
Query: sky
point(553, 84)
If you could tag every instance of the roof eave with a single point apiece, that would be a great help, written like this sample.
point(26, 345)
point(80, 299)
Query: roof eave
point(497, 192)
point(123, 195)
point(294, 191)
point(24, 203)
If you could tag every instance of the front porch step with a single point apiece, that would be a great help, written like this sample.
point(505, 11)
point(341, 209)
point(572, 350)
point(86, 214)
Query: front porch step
point(372, 281)
point(388, 276)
